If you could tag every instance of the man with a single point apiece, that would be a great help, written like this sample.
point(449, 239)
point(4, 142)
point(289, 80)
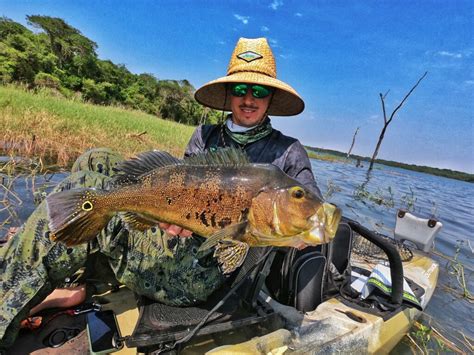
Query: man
point(251, 91)
point(31, 266)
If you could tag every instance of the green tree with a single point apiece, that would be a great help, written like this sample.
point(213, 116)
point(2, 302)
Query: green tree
point(66, 41)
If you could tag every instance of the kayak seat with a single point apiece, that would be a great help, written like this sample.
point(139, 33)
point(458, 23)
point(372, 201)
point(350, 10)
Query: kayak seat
point(296, 277)
point(160, 324)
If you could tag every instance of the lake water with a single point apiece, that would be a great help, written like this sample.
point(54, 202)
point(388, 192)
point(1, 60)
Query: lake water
point(449, 201)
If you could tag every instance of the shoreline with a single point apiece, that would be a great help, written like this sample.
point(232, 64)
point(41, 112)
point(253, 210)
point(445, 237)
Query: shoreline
point(46, 126)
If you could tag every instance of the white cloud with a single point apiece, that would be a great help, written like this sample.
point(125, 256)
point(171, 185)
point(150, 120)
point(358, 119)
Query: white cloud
point(469, 82)
point(243, 19)
point(264, 29)
point(298, 14)
point(222, 42)
point(275, 4)
point(450, 54)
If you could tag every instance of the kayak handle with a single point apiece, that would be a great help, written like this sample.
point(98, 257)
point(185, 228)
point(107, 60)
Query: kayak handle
point(396, 267)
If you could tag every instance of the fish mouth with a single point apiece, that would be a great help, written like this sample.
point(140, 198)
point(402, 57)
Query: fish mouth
point(325, 222)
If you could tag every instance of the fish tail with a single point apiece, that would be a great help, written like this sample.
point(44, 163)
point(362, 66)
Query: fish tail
point(76, 216)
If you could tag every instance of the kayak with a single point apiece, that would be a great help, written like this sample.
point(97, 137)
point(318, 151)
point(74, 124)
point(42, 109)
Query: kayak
point(395, 291)
point(336, 325)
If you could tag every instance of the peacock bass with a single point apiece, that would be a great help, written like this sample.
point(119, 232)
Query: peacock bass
point(219, 195)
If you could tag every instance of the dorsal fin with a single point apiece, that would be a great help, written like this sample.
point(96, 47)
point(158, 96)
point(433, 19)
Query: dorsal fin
point(129, 170)
point(222, 157)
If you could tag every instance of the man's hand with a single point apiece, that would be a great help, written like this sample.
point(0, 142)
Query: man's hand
point(174, 230)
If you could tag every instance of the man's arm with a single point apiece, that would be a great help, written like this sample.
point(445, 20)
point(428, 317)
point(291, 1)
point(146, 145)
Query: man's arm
point(196, 144)
point(298, 166)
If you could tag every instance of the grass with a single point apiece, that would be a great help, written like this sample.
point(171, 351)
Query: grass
point(59, 130)
point(326, 157)
point(424, 338)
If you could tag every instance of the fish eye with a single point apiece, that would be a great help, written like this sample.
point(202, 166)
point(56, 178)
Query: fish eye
point(87, 206)
point(297, 193)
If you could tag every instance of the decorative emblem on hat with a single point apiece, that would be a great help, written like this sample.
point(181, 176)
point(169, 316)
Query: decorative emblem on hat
point(249, 56)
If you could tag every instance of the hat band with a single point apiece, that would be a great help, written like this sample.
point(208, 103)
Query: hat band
point(251, 71)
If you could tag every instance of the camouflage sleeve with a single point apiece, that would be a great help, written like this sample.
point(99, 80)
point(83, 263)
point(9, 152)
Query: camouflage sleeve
point(298, 166)
point(31, 266)
point(170, 271)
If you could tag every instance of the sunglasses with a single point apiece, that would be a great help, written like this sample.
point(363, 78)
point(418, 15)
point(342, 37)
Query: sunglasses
point(258, 91)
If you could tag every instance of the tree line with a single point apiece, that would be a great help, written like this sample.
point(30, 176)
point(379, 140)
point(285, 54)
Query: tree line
point(59, 57)
point(452, 174)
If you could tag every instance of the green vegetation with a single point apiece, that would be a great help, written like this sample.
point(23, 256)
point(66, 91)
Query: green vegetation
point(334, 155)
point(59, 130)
point(60, 58)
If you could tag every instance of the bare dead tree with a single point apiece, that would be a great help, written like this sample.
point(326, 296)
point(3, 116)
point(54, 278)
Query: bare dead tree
point(387, 121)
point(353, 142)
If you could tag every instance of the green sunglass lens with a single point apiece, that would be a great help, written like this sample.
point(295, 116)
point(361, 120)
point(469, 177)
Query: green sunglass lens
point(239, 90)
point(260, 92)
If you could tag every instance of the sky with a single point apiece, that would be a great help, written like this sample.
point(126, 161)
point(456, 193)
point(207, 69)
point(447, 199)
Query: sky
point(339, 55)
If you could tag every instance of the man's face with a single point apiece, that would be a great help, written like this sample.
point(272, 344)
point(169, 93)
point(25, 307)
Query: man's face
point(248, 111)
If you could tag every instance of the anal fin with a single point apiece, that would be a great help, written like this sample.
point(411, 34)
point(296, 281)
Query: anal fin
point(230, 254)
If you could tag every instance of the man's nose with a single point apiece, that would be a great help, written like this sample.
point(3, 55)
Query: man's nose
point(248, 98)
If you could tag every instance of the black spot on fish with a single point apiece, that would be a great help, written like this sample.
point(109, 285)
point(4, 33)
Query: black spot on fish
point(224, 222)
point(153, 229)
point(215, 200)
point(204, 219)
point(69, 250)
point(196, 215)
point(147, 285)
point(213, 220)
point(169, 200)
point(188, 216)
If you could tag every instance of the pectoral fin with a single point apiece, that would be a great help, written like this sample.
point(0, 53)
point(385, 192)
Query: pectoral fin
point(138, 221)
point(234, 231)
point(230, 254)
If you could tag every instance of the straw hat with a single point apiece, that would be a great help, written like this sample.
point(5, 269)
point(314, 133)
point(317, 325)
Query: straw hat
point(252, 62)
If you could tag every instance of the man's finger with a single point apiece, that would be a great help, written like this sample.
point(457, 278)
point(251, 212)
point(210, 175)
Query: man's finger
point(174, 230)
point(163, 225)
point(185, 233)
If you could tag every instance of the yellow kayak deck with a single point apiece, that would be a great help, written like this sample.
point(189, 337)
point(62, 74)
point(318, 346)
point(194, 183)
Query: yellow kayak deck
point(335, 327)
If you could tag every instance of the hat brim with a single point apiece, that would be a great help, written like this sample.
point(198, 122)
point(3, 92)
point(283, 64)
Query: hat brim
point(285, 101)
